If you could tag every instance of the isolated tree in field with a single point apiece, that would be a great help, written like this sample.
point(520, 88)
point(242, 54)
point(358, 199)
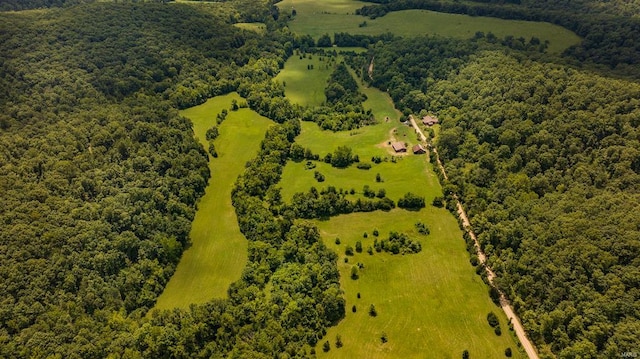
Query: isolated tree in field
point(492, 319)
point(359, 247)
point(508, 353)
point(348, 250)
point(372, 310)
point(465, 354)
point(354, 273)
point(342, 157)
point(353, 308)
point(384, 338)
point(338, 341)
point(326, 346)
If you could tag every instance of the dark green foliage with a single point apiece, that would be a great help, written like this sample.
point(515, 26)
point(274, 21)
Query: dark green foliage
point(422, 228)
point(354, 273)
point(348, 250)
point(339, 341)
point(363, 165)
point(398, 243)
point(376, 233)
point(557, 166)
point(337, 240)
point(411, 201)
point(438, 201)
point(497, 330)
point(609, 38)
point(508, 353)
point(354, 309)
point(372, 311)
point(318, 176)
point(359, 246)
point(378, 177)
point(324, 41)
point(212, 150)
point(492, 319)
point(329, 202)
point(212, 133)
point(343, 109)
point(384, 338)
point(342, 157)
point(326, 346)
point(465, 354)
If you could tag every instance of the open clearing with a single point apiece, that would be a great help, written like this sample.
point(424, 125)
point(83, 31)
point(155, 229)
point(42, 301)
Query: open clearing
point(304, 84)
point(218, 251)
point(430, 304)
point(316, 18)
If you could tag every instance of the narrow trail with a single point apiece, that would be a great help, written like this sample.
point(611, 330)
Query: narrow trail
point(370, 70)
point(504, 302)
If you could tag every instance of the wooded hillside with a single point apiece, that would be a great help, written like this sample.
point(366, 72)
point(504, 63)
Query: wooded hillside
point(547, 161)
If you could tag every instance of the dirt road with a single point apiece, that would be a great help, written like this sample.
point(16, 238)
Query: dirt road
point(504, 303)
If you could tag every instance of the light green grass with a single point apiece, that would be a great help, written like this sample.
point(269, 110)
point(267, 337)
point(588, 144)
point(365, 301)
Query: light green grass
point(319, 17)
point(258, 27)
point(305, 86)
point(430, 304)
point(219, 251)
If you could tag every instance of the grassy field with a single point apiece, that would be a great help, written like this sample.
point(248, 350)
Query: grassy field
point(330, 16)
point(430, 304)
point(303, 85)
point(219, 251)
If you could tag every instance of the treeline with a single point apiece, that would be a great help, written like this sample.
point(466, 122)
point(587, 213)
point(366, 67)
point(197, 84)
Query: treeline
point(613, 41)
point(100, 176)
point(407, 68)
point(547, 161)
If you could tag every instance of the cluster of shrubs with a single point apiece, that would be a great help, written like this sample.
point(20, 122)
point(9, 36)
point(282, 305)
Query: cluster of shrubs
point(397, 243)
point(411, 201)
point(211, 135)
point(330, 202)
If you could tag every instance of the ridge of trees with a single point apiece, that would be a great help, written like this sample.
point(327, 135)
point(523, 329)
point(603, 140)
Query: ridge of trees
point(608, 39)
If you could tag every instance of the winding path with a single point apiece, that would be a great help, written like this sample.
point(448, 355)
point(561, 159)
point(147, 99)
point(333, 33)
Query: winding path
point(504, 302)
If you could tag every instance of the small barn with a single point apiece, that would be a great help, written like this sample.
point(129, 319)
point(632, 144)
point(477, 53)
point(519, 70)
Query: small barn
point(429, 120)
point(399, 147)
point(418, 149)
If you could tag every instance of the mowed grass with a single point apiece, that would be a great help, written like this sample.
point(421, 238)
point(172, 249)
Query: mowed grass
point(317, 18)
point(303, 85)
point(430, 304)
point(219, 251)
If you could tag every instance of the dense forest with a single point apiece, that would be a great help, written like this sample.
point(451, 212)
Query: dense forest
point(547, 161)
point(611, 42)
point(100, 176)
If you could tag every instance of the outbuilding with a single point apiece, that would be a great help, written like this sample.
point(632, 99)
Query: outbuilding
point(418, 149)
point(399, 147)
point(429, 120)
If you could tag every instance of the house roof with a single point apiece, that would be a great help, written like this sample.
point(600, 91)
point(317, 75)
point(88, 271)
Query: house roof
point(398, 147)
point(418, 149)
point(429, 120)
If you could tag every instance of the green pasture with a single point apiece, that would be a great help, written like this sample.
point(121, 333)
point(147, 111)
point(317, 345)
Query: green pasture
point(316, 18)
point(218, 251)
point(430, 304)
point(305, 85)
